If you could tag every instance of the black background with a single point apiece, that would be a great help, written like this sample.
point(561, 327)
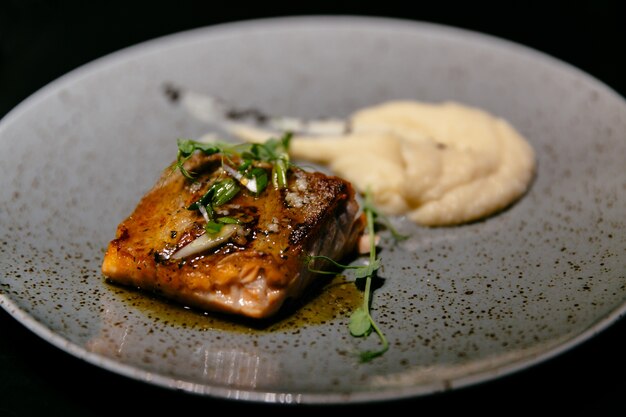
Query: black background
point(42, 40)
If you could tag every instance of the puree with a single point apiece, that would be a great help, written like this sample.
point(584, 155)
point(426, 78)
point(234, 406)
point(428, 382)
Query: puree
point(438, 164)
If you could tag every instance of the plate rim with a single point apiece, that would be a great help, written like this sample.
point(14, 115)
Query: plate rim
point(133, 51)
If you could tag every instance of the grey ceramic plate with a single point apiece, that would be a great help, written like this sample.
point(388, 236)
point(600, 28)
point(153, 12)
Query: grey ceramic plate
point(459, 305)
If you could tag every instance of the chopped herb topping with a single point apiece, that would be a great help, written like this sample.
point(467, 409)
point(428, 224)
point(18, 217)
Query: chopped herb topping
point(252, 172)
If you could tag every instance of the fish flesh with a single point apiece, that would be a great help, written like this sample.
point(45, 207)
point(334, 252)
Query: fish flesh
point(263, 256)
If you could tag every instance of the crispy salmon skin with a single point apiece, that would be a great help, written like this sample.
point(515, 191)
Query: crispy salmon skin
point(246, 253)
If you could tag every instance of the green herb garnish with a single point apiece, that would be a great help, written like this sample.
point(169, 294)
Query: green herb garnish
point(381, 218)
point(258, 176)
point(361, 322)
point(228, 220)
point(225, 190)
point(221, 192)
point(252, 172)
point(187, 147)
point(213, 227)
point(276, 152)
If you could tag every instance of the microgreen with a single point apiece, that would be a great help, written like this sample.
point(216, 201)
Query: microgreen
point(380, 218)
point(251, 172)
point(187, 147)
point(361, 323)
point(276, 152)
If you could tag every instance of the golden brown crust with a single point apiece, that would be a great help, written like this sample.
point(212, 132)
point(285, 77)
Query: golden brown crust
point(253, 273)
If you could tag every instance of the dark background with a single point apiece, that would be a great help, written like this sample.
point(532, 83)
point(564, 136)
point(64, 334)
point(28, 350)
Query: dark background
point(42, 40)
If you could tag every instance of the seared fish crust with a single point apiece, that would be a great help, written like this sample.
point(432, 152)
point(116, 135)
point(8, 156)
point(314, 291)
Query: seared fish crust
point(252, 273)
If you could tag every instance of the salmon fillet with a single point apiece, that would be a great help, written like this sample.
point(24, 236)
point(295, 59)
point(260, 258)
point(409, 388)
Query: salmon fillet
point(263, 258)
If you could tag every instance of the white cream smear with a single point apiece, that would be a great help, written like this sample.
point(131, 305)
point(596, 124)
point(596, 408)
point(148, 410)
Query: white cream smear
point(438, 164)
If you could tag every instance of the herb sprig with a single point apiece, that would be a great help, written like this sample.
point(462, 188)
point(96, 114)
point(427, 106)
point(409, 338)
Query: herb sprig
point(273, 151)
point(187, 147)
point(361, 323)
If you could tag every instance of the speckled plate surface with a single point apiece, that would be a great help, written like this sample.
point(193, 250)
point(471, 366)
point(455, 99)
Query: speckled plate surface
point(459, 305)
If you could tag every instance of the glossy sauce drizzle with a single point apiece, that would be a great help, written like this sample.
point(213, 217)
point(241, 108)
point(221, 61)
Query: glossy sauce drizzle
point(332, 299)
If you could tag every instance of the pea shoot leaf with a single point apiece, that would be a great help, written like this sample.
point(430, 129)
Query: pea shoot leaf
point(360, 323)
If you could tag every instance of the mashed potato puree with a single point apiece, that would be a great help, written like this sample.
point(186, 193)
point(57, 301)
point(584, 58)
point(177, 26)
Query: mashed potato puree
point(438, 164)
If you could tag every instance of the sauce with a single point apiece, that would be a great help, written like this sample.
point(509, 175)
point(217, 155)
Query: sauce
point(333, 299)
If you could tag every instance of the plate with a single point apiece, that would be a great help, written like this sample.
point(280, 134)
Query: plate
point(459, 305)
